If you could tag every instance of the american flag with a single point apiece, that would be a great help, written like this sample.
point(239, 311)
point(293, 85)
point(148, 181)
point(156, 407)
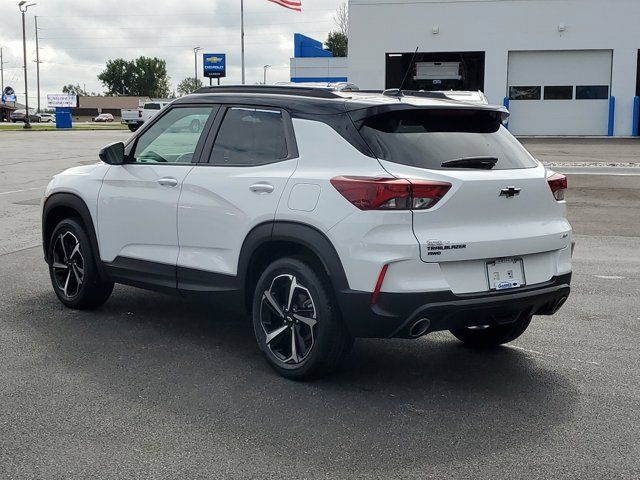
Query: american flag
point(292, 4)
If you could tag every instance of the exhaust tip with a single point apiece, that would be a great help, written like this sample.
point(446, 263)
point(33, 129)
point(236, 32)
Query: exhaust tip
point(559, 304)
point(419, 328)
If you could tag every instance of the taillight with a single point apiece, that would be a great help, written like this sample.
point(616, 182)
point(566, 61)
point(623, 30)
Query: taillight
point(558, 185)
point(370, 193)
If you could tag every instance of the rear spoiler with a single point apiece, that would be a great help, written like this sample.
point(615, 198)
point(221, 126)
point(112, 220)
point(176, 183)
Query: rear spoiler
point(357, 115)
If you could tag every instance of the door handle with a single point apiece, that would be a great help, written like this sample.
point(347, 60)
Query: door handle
point(168, 182)
point(261, 188)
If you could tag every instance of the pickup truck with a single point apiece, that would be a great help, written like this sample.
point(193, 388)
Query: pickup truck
point(135, 117)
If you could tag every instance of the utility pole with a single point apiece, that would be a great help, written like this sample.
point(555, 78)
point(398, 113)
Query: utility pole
point(37, 63)
point(2, 62)
point(23, 6)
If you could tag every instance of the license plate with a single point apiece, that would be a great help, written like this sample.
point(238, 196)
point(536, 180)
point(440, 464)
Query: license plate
point(505, 273)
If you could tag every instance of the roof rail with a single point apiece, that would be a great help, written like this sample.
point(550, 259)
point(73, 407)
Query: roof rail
point(394, 92)
point(317, 92)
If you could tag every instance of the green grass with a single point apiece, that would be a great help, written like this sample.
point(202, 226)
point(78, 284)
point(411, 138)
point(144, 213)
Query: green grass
point(52, 126)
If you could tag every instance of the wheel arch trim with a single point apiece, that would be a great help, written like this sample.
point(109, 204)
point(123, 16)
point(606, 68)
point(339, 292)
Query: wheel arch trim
point(77, 204)
point(297, 233)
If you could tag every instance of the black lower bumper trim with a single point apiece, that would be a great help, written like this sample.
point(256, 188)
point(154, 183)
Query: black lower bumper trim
point(395, 313)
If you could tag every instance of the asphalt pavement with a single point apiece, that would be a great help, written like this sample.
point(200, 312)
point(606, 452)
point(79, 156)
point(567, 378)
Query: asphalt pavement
point(153, 386)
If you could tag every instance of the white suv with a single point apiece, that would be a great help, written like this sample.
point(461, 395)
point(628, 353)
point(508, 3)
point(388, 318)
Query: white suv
point(326, 215)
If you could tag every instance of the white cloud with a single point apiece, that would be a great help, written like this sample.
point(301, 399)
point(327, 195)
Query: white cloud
point(77, 37)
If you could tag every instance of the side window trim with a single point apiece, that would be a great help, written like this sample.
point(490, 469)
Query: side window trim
point(290, 139)
point(211, 135)
point(197, 154)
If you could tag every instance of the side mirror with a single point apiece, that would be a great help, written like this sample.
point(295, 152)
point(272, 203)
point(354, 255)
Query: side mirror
point(113, 154)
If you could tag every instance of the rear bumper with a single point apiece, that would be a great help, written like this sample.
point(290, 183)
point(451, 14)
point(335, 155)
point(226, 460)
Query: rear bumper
point(395, 313)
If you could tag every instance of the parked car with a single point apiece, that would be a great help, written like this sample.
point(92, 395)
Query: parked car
point(135, 117)
point(324, 215)
point(21, 114)
point(45, 117)
point(104, 117)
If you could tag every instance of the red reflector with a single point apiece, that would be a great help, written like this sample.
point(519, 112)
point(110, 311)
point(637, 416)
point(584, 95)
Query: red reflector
point(370, 193)
point(558, 185)
point(376, 292)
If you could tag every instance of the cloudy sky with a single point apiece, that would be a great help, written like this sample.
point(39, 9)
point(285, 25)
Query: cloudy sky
point(77, 37)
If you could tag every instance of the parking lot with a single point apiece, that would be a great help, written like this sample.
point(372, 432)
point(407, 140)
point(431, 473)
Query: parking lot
point(152, 386)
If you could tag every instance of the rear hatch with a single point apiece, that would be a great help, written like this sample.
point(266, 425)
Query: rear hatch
point(499, 204)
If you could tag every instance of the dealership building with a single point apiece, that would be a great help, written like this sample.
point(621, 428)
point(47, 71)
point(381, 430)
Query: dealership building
point(563, 67)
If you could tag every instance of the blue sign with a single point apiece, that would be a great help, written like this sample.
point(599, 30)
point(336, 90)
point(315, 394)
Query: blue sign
point(8, 95)
point(215, 65)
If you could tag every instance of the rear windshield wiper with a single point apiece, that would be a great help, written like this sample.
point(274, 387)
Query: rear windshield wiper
point(486, 163)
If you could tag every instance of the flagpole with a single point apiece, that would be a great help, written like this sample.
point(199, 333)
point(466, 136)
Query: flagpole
point(242, 37)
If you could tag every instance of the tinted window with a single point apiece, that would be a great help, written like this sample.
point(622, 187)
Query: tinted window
point(250, 136)
point(173, 138)
point(525, 93)
point(427, 138)
point(592, 92)
point(558, 92)
point(152, 106)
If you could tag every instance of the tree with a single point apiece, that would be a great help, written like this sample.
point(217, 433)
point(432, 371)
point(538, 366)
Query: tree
point(142, 77)
point(337, 43)
point(189, 85)
point(341, 19)
point(73, 90)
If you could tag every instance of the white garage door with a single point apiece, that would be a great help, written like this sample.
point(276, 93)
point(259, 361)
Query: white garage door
point(559, 92)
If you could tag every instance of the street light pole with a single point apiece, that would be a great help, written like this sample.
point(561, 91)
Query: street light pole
point(195, 67)
point(242, 38)
point(23, 6)
point(37, 63)
point(264, 81)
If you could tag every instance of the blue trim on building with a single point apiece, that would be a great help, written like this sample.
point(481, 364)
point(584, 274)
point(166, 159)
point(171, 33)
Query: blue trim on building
point(636, 117)
point(307, 47)
point(612, 115)
point(318, 79)
point(505, 102)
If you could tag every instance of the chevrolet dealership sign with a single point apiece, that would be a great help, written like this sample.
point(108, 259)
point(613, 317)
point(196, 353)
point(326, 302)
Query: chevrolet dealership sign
point(215, 65)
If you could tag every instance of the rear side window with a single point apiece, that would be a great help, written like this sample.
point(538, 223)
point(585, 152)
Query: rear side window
point(426, 138)
point(250, 136)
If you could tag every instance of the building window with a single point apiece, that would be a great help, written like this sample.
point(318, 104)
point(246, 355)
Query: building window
point(592, 92)
point(525, 93)
point(558, 92)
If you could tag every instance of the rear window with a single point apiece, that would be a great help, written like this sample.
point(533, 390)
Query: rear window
point(426, 138)
point(152, 106)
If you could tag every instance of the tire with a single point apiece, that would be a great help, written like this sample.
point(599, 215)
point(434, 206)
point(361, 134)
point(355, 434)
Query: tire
point(310, 322)
point(72, 267)
point(493, 335)
point(133, 127)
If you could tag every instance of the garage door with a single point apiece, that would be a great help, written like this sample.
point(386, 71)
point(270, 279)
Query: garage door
point(559, 92)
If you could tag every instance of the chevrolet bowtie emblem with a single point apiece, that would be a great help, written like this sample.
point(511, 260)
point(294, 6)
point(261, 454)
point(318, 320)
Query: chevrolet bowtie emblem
point(510, 192)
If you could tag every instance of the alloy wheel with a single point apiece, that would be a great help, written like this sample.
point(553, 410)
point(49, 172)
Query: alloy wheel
point(68, 264)
point(288, 319)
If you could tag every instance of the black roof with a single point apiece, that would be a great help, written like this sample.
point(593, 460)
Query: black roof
point(301, 100)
